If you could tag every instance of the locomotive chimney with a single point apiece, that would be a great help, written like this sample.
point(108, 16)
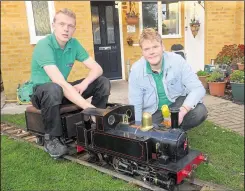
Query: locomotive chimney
point(174, 117)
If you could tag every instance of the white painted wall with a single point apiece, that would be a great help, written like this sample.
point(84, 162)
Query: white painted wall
point(194, 47)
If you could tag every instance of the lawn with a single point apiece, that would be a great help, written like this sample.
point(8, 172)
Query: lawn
point(224, 148)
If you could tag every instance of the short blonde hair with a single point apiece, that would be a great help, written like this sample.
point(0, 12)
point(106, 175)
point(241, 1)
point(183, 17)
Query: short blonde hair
point(67, 12)
point(150, 34)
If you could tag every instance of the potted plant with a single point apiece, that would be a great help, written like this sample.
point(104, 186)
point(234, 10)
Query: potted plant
point(230, 56)
point(130, 41)
point(195, 26)
point(132, 17)
point(202, 75)
point(216, 83)
point(240, 63)
point(237, 85)
point(240, 60)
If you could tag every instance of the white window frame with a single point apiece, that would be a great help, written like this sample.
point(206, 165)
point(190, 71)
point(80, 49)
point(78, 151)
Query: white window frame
point(159, 8)
point(30, 18)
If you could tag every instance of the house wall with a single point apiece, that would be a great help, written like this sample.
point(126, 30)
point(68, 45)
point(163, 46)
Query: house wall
point(224, 25)
point(16, 50)
point(133, 53)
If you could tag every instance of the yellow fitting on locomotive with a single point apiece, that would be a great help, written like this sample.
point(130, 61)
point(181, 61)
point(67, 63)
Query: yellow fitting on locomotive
point(146, 122)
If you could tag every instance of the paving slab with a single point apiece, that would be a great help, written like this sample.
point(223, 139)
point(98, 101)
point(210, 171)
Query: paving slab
point(222, 112)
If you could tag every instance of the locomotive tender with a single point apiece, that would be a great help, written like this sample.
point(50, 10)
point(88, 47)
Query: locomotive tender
point(157, 154)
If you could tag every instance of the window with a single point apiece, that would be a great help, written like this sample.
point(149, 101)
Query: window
point(40, 16)
point(163, 16)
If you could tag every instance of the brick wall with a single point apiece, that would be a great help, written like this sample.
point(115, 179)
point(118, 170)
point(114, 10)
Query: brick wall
point(16, 50)
point(224, 25)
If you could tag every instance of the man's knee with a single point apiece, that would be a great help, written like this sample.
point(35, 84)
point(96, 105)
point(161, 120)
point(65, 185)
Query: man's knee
point(104, 85)
point(195, 117)
point(201, 112)
point(51, 94)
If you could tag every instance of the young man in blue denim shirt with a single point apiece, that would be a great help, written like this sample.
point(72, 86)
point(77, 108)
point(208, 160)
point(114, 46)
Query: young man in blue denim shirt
point(165, 78)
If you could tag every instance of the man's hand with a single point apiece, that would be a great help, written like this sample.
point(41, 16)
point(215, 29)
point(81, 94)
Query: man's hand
point(80, 88)
point(183, 111)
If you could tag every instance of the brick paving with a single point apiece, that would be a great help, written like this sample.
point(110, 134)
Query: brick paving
point(222, 112)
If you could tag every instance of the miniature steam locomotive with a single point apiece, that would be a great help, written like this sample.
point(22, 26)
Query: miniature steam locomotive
point(157, 154)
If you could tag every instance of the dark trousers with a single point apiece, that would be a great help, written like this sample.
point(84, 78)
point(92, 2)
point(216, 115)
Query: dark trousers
point(48, 98)
point(192, 119)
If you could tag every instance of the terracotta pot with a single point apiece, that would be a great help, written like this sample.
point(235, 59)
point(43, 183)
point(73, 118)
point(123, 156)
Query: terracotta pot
point(240, 66)
point(203, 80)
point(130, 42)
point(217, 88)
point(132, 20)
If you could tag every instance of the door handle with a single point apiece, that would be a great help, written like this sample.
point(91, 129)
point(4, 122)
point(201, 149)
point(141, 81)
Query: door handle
point(105, 48)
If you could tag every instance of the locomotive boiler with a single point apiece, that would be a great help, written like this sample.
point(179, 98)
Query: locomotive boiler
point(157, 154)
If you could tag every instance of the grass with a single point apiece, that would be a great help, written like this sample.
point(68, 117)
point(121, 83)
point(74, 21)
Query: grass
point(226, 155)
point(224, 148)
point(25, 167)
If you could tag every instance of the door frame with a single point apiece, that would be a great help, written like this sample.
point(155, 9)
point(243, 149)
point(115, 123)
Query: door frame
point(119, 7)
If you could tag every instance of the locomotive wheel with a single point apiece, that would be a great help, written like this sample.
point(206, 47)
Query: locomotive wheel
point(171, 186)
point(115, 163)
point(40, 140)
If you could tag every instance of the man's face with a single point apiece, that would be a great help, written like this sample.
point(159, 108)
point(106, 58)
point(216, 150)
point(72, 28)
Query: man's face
point(152, 51)
point(64, 27)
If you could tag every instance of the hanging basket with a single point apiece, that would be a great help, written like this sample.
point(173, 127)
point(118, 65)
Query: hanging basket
point(132, 20)
point(194, 29)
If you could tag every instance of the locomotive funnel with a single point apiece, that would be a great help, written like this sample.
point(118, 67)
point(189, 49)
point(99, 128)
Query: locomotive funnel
point(174, 117)
point(146, 122)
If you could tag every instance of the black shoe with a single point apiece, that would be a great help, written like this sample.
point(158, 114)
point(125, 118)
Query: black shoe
point(54, 147)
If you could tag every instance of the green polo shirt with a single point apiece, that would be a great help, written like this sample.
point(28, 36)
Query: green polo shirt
point(163, 100)
point(48, 52)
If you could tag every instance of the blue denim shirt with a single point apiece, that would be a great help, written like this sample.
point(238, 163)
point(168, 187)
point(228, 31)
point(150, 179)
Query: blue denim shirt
point(178, 79)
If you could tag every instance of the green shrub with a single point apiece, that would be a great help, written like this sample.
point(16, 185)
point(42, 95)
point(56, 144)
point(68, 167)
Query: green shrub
point(237, 76)
point(202, 73)
point(216, 76)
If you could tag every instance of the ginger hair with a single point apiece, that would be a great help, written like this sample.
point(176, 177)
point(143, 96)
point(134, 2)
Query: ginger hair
point(150, 34)
point(67, 12)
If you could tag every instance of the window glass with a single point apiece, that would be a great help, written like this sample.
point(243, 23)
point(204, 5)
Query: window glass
point(96, 25)
point(170, 18)
point(149, 15)
point(110, 24)
point(41, 17)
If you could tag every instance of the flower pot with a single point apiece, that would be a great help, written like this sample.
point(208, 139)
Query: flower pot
point(240, 66)
point(234, 67)
point(237, 90)
point(130, 42)
point(194, 29)
point(132, 20)
point(217, 88)
point(203, 80)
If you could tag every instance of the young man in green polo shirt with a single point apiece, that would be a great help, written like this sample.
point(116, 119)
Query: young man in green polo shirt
point(52, 61)
point(164, 78)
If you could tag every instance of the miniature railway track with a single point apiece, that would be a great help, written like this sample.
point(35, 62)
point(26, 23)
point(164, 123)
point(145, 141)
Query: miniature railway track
point(21, 135)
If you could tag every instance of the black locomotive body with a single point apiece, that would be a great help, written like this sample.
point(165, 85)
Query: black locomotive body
point(159, 155)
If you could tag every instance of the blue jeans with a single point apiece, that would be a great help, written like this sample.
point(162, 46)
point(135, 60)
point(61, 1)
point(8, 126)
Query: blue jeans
point(192, 119)
point(48, 98)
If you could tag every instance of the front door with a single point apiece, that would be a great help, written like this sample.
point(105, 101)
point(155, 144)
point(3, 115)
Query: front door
point(194, 46)
point(105, 23)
